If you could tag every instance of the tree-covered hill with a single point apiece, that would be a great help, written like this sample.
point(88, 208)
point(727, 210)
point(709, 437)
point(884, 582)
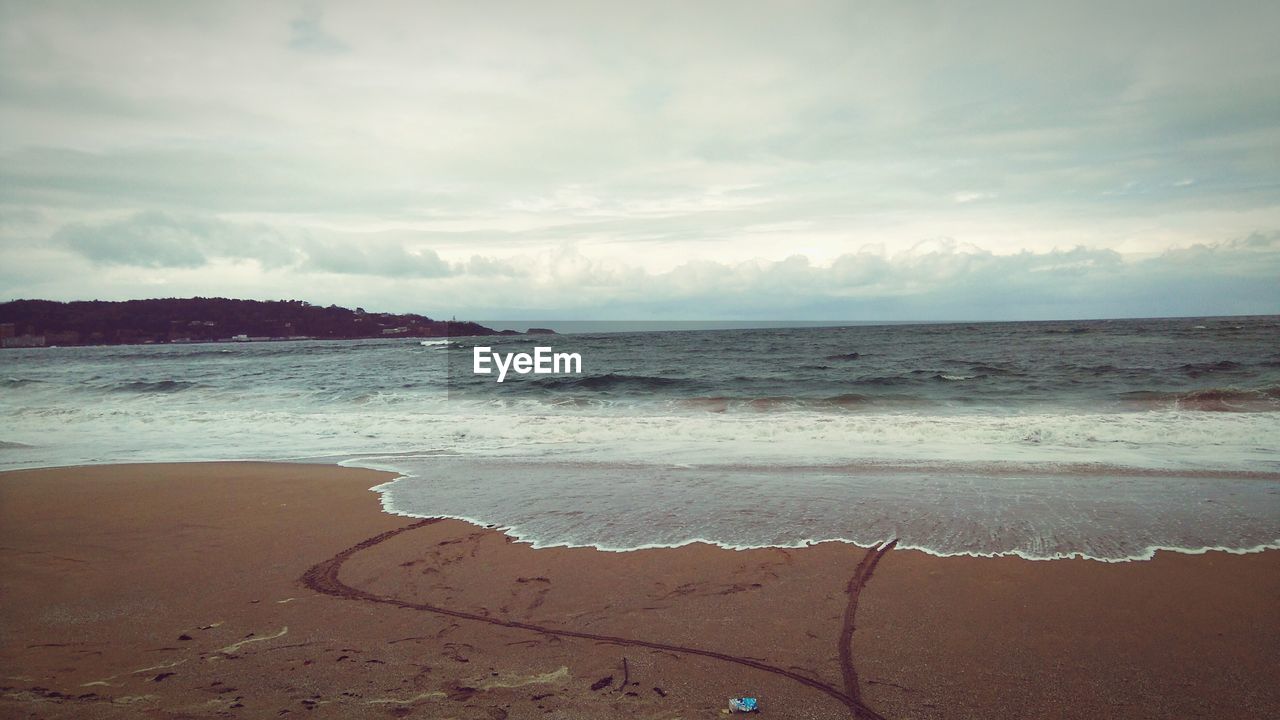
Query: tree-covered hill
point(201, 319)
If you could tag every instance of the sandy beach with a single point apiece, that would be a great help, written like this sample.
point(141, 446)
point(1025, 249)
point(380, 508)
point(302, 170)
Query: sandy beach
point(282, 590)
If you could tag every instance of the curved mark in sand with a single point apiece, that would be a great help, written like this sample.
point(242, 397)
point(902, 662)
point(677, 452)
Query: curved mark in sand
point(407, 701)
point(323, 578)
point(861, 575)
point(106, 681)
point(236, 646)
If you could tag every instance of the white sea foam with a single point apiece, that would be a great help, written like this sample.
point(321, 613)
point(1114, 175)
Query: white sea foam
point(1109, 514)
point(151, 428)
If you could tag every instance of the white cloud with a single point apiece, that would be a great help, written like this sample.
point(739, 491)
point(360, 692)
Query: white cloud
point(161, 240)
point(309, 34)
point(935, 279)
point(406, 142)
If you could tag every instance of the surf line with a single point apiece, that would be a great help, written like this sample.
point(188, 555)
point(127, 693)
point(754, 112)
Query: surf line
point(323, 578)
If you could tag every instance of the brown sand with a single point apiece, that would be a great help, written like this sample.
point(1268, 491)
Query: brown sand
point(256, 590)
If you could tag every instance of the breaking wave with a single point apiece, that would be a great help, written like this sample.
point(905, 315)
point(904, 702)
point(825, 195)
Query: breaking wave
point(1210, 400)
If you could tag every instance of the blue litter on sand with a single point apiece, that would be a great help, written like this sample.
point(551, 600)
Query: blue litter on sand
point(744, 704)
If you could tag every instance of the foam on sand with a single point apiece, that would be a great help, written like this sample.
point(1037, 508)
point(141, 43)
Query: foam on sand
point(1035, 512)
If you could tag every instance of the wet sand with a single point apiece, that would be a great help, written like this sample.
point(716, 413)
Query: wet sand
point(271, 590)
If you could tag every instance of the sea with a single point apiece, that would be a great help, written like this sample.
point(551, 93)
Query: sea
point(1104, 439)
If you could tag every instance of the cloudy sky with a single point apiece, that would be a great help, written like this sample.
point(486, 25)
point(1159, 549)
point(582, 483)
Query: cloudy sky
point(609, 160)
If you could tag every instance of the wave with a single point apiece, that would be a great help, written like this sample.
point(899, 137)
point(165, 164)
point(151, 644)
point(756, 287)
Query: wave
point(609, 381)
point(710, 404)
point(985, 369)
point(1197, 369)
point(213, 353)
point(786, 403)
point(847, 400)
point(159, 386)
point(917, 376)
point(844, 356)
point(883, 381)
point(1265, 399)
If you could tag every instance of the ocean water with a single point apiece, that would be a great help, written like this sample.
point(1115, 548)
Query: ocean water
point(1098, 439)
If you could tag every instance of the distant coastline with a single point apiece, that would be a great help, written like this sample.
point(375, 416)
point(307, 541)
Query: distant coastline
point(44, 323)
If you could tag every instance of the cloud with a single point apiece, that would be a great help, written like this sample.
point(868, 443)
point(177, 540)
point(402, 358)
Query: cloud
point(554, 155)
point(380, 259)
point(936, 280)
point(161, 240)
point(309, 35)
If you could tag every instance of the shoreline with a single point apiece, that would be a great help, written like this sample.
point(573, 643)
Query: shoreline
point(516, 532)
point(513, 531)
point(106, 568)
point(1150, 553)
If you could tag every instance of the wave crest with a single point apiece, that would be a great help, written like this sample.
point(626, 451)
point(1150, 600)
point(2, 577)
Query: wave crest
point(1266, 399)
point(609, 381)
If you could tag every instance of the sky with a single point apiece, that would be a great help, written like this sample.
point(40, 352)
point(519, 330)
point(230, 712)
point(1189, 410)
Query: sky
point(661, 160)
